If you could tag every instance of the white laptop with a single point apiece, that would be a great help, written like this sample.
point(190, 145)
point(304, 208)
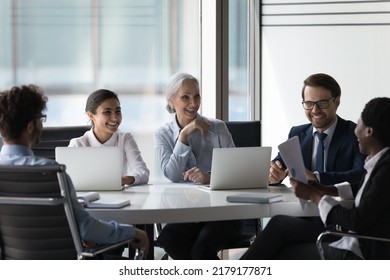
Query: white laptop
point(240, 168)
point(92, 169)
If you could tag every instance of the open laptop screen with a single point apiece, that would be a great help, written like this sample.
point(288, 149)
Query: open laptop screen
point(240, 168)
point(91, 168)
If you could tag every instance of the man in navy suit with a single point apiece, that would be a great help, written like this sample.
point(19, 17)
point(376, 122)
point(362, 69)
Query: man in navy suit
point(287, 237)
point(339, 158)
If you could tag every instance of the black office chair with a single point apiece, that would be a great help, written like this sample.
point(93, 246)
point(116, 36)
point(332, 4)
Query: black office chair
point(57, 136)
point(36, 216)
point(245, 134)
point(332, 233)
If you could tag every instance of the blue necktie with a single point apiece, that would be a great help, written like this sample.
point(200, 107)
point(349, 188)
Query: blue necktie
point(320, 151)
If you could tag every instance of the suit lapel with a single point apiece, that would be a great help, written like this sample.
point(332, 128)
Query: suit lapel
point(307, 146)
point(338, 138)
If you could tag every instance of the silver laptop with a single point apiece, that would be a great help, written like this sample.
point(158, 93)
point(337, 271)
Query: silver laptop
point(92, 169)
point(240, 168)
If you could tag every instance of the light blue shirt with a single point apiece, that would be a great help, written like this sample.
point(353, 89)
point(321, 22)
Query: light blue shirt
point(176, 157)
point(91, 229)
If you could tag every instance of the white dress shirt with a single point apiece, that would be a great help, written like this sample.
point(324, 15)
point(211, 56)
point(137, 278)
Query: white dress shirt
point(344, 190)
point(176, 157)
point(133, 164)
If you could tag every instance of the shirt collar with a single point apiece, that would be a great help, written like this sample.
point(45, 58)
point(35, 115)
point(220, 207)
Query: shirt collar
point(329, 131)
point(176, 128)
point(8, 150)
point(95, 142)
point(371, 161)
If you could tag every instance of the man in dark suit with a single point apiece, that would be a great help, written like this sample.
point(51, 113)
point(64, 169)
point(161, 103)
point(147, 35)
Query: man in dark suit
point(287, 237)
point(336, 157)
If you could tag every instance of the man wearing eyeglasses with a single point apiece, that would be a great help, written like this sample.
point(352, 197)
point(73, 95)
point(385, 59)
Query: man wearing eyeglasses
point(21, 126)
point(329, 146)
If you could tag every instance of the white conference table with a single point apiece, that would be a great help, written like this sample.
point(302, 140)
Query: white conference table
point(188, 202)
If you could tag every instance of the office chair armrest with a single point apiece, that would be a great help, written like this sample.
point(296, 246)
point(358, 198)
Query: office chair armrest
point(93, 252)
point(321, 237)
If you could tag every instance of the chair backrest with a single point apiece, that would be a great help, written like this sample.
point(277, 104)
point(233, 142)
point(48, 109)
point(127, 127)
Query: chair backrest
point(245, 133)
point(36, 217)
point(57, 136)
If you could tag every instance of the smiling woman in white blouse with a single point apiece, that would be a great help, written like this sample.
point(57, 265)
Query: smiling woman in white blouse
point(104, 111)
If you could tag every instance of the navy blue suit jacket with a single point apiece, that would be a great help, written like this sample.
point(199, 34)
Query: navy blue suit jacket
point(344, 161)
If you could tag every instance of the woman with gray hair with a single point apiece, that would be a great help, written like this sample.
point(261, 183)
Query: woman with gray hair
point(184, 148)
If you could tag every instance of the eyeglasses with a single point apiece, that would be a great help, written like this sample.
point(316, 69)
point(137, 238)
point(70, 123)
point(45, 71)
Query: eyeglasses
point(321, 104)
point(43, 118)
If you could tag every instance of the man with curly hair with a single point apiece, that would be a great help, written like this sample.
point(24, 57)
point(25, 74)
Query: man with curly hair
point(21, 117)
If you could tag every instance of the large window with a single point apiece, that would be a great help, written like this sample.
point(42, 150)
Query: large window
point(238, 61)
point(73, 47)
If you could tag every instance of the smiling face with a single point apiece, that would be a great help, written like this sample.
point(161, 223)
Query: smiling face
point(107, 119)
point(186, 102)
point(321, 119)
point(364, 134)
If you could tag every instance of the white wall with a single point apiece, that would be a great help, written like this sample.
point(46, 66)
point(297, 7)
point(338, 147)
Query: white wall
point(353, 47)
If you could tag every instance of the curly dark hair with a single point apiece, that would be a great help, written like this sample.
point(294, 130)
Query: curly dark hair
point(376, 114)
point(18, 107)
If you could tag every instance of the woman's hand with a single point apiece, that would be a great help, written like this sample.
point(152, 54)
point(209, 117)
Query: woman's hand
point(310, 175)
point(306, 191)
point(197, 176)
point(196, 124)
point(127, 180)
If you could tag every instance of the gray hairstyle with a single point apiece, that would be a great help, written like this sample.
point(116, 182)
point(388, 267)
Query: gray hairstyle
point(174, 85)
